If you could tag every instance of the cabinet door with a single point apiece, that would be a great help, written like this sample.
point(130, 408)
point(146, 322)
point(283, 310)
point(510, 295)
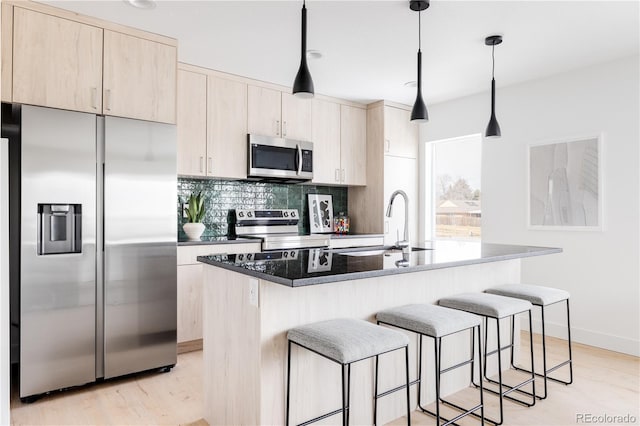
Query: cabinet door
point(139, 78)
point(264, 111)
point(56, 62)
point(227, 128)
point(296, 118)
point(353, 145)
point(400, 134)
point(192, 123)
point(190, 302)
point(400, 173)
point(325, 125)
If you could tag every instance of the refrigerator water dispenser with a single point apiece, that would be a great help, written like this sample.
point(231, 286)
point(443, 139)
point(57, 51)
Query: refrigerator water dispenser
point(59, 228)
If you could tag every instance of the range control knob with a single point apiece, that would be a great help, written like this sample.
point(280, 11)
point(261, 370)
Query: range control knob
point(241, 214)
point(249, 256)
point(240, 256)
point(285, 254)
point(293, 214)
point(293, 254)
point(286, 214)
point(249, 214)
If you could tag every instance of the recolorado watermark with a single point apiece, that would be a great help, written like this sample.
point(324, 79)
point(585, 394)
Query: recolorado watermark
point(590, 418)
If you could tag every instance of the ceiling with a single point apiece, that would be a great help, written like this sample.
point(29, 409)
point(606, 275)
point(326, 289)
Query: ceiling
point(369, 47)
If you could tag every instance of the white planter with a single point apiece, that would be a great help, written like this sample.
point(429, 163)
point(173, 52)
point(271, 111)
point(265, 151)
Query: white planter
point(193, 230)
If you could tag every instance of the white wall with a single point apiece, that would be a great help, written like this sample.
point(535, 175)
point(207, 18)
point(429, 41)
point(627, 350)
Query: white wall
point(600, 269)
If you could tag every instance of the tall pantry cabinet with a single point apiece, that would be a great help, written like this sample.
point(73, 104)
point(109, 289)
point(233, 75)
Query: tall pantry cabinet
point(391, 164)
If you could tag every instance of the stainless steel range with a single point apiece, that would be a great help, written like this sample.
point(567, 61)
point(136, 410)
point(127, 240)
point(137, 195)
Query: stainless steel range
point(277, 228)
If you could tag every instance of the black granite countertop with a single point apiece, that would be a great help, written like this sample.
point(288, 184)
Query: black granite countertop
point(319, 266)
point(211, 240)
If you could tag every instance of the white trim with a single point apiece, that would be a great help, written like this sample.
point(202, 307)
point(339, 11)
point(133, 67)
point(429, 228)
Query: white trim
point(601, 195)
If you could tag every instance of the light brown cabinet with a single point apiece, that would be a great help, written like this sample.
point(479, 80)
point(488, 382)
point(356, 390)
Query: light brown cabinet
point(139, 78)
point(56, 62)
point(353, 145)
point(59, 59)
point(227, 128)
point(325, 134)
point(400, 134)
point(192, 123)
point(279, 114)
point(386, 173)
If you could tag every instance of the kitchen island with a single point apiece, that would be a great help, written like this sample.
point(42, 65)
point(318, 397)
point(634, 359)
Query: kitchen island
point(250, 304)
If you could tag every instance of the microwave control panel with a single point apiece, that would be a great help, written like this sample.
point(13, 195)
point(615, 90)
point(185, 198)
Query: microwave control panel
point(307, 160)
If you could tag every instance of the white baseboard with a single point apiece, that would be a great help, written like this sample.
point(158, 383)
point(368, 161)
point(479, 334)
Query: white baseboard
point(589, 337)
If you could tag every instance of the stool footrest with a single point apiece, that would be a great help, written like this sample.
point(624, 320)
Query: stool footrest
point(510, 389)
point(385, 393)
point(504, 348)
point(464, 412)
point(453, 367)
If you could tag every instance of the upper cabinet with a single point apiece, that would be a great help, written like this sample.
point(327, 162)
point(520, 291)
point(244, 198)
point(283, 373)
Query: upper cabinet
point(325, 134)
point(227, 128)
point(400, 134)
point(353, 145)
point(139, 78)
point(55, 58)
point(275, 113)
point(56, 62)
point(192, 123)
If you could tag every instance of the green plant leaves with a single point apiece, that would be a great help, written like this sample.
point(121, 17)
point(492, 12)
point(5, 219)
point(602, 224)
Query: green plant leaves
point(195, 209)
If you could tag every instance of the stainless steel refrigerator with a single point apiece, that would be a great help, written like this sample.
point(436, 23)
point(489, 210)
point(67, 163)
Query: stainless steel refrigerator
point(97, 247)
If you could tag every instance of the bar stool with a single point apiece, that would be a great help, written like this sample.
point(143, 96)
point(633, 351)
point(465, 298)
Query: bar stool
point(345, 341)
point(496, 307)
point(542, 297)
point(437, 322)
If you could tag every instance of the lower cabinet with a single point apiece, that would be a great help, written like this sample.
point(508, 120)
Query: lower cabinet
point(190, 277)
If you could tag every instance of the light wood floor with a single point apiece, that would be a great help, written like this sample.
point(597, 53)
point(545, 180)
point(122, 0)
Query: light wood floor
point(604, 383)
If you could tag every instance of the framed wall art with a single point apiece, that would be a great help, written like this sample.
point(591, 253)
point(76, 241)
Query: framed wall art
point(565, 184)
point(320, 213)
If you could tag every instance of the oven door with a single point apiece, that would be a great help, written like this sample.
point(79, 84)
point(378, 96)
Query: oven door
point(279, 158)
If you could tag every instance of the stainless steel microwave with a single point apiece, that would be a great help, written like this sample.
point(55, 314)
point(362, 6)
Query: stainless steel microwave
point(279, 159)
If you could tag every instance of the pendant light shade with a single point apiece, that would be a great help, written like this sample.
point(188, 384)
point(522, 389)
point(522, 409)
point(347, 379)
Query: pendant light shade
point(493, 128)
point(419, 112)
point(303, 84)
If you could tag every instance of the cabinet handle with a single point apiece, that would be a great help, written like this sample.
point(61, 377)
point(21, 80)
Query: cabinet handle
point(209, 165)
point(107, 99)
point(387, 145)
point(94, 97)
point(277, 127)
point(337, 175)
point(284, 128)
point(201, 164)
point(343, 179)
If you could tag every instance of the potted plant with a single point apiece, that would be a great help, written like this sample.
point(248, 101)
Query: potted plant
point(195, 213)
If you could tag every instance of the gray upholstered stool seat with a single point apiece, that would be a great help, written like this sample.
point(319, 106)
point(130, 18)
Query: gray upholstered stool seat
point(489, 305)
point(347, 340)
point(536, 294)
point(498, 307)
point(542, 297)
point(438, 322)
point(430, 320)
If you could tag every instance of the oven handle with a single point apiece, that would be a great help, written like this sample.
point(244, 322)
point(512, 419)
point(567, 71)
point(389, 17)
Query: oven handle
point(299, 159)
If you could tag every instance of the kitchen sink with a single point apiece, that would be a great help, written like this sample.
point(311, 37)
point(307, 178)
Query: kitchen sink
point(387, 251)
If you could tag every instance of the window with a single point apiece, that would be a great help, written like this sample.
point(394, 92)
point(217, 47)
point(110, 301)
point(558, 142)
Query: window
point(454, 188)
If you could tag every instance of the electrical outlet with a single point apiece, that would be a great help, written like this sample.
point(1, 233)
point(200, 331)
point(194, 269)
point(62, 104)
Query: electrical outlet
point(253, 292)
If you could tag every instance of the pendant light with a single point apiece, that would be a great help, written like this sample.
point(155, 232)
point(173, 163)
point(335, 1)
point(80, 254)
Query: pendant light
point(303, 84)
point(493, 128)
point(419, 112)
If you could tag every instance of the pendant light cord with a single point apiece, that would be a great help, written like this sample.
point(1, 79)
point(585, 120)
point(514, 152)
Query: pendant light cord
point(493, 61)
point(419, 30)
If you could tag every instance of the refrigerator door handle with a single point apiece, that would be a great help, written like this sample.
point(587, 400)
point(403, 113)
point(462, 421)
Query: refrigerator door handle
point(100, 170)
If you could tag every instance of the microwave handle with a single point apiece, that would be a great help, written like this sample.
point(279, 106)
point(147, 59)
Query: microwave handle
point(299, 159)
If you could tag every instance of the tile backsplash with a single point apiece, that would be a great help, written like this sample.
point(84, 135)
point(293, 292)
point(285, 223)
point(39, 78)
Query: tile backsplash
point(222, 196)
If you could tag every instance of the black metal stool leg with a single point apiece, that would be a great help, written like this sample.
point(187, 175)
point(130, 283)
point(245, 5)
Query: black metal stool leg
point(569, 341)
point(437, 360)
point(288, 381)
point(479, 371)
point(375, 394)
point(499, 371)
point(544, 353)
point(348, 391)
point(344, 400)
point(406, 359)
